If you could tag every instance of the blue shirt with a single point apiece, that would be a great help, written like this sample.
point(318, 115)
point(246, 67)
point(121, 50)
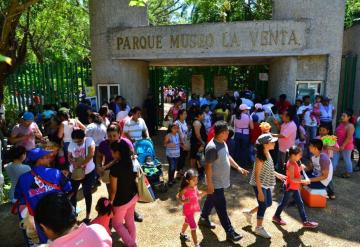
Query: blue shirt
point(357, 129)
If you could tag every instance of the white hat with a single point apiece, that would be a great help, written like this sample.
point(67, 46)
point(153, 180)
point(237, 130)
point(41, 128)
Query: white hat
point(244, 107)
point(258, 106)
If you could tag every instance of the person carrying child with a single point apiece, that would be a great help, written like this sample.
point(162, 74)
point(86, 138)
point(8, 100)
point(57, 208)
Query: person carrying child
point(104, 209)
point(189, 197)
point(292, 189)
point(172, 143)
point(263, 181)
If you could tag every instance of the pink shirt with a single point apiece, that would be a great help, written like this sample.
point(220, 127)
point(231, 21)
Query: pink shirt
point(87, 236)
point(103, 220)
point(193, 205)
point(289, 131)
point(242, 125)
point(341, 137)
point(20, 130)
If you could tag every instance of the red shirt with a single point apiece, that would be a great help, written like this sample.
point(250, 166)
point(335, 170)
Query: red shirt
point(211, 134)
point(290, 185)
point(282, 106)
point(255, 133)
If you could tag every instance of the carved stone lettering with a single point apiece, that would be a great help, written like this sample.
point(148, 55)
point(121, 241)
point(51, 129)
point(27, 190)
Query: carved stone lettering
point(293, 38)
point(264, 38)
point(274, 37)
point(158, 42)
point(174, 41)
point(136, 43)
point(254, 37)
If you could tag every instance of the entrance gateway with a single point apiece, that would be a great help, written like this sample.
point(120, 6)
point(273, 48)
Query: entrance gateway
point(302, 46)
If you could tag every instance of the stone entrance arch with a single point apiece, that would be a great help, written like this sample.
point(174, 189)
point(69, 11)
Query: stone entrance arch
point(303, 42)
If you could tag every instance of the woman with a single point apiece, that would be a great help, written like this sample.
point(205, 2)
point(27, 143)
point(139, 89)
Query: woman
point(104, 159)
point(81, 155)
point(123, 193)
point(96, 129)
point(174, 110)
point(344, 133)
point(66, 128)
point(242, 124)
point(104, 113)
point(185, 147)
point(197, 141)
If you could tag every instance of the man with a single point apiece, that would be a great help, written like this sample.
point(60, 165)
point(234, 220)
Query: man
point(135, 128)
point(217, 168)
point(282, 104)
point(286, 137)
point(25, 132)
point(327, 112)
point(56, 216)
point(321, 176)
point(310, 120)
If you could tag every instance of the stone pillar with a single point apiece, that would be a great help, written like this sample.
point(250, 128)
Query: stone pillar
point(283, 73)
point(132, 76)
point(325, 24)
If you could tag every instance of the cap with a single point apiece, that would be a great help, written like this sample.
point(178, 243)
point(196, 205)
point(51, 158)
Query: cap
point(258, 106)
point(266, 138)
point(326, 98)
point(34, 154)
point(244, 107)
point(265, 127)
point(28, 116)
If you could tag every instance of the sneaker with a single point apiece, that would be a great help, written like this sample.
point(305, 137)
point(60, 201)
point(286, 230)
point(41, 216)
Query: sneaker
point(310, 224)
point(248, 217)
point(206, 222)
point(233, 236)
point(184, 237)
point(278, 221)
point(260, 230)
point(138, 217)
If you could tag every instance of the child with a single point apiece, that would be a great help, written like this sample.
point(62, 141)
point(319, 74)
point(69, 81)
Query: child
point(329, 150)
point(301, 136)
point(104, 209)
point(189, 197)
point(263, 181)
point(254, 134)
point(292, 189)
point(207, 117)
point(172, 143)
point(16, 168)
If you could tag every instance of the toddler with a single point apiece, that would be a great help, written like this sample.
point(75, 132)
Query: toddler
point(104, 209)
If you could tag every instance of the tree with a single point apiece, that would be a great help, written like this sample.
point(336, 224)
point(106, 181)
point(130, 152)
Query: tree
point(12, 43)
point(352, 12)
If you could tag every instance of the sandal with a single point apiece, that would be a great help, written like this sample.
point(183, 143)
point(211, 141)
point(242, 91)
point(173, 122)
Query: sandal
point(333, 197)
point(345, 175)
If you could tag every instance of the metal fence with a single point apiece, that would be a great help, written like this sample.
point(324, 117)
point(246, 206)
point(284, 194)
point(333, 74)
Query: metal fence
point(50, 83)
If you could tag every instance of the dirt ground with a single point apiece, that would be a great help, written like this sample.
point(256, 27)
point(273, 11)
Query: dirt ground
point(339, 221)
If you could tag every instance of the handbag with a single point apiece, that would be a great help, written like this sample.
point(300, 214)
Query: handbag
point(145, 191)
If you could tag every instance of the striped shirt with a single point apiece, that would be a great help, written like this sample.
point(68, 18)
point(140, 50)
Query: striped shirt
point(173, 152)
point(267, 175)
point(135, 129)
point(326, 113)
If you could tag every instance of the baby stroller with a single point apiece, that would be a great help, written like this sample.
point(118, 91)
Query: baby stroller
point(150, 164)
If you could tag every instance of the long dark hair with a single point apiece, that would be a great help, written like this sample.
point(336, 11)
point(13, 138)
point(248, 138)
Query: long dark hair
point(125, 152)
point(103, 206)
point(238, 113)
point(95, 118)
point(260, 154)
point(189, 174)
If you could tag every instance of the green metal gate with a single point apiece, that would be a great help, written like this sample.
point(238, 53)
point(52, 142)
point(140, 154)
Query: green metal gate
point(53, 83)
point(347, 82)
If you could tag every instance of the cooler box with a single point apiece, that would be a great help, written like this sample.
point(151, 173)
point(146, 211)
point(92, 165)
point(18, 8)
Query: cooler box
point(314, 198)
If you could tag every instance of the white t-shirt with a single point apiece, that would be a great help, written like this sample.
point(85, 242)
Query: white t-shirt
point(309, 120)
point(82, 151)
point(207, 121)
point(121, 115)
point(97, 132)
point(267, 108)
point(302, 108)
point(135, 129)
point(247, 102)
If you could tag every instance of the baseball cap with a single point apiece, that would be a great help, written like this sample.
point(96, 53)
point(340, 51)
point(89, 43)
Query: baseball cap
point(244, 107)
point(266, 138)
point(28, 116)
point(36, 153)
point(258, 106)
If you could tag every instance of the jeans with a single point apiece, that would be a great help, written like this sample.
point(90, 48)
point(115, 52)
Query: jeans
point(299, 202)
point(182, 160)
point(217, 200)
point(318, 185)
point(346, 154)
point(311, 132)
point(86, 183)
point(242, 143)
point(172, 167)
point(265, 204)
point(123, 222)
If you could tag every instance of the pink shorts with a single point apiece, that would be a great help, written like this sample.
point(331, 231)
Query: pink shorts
point(190, 220)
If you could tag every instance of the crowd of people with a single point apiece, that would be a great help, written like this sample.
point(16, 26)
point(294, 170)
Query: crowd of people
point(54, 153)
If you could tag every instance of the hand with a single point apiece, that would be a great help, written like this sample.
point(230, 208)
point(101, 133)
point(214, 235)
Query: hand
point(306, 181)
point(341, 148)
point(210, 189)
point(133, 157)
point(100, 170)
point(281, 177)
point(303, 167)
point(243, 171)
point(261, 196)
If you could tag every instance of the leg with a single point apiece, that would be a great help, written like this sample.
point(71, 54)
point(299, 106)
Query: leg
point(300, 205)
point(194, 236)
point(221, 210)
point(245, 148)
point(181, 163)
point(262, 205)
point(75, 187)
point(283, 203)
point(330, 190)
point(129, 218)
point(184, 228)
point(208, 206)
point(172, 167)
point(237, 148)
point(346, 154)
point(335, 160)
point(87, 183)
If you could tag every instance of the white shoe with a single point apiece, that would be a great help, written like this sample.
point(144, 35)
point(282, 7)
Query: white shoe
point(248, 217)
point(260, 230)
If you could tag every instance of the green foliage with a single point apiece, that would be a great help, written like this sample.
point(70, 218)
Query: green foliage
point(352, 12)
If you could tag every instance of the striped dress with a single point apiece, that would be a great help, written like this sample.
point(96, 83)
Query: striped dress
point(267, 175)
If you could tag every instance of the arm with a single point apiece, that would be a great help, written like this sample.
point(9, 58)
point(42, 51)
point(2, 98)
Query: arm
point(258, 166)
point(251, 124)
point(90, 155)
point(113, 188)
point(179, 197)
point(60, 134)
point(208, 172)
point(37, 133)
point(81, 126)
point(237, 167)
point(14, 138)
point(197, 134)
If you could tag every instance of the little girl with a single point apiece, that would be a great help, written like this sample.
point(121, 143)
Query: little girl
point(189, 197)
point(292, 189)
point(104, 209)
point(172, 143)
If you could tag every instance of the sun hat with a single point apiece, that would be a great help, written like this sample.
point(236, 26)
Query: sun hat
point(266, 139)
point(28, 116)
point(36, 153)
point(244, 107)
